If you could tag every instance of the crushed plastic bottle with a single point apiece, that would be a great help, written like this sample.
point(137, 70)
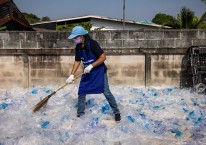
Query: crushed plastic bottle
point(94, 122)
point(185, 110)
point(133, 101)
point(167, 90)
point(44, 124)
point(177, 133)
point(90, 102)
point(4, 106)
point(34, 91)
point(196, 117)
point(142, 115)
point(65, 117)
point(48, 91)
point(130, 119)
point(105, 108)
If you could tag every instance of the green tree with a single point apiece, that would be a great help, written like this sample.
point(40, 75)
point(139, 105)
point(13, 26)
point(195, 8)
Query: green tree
point(45, 19)
point(204, 1)
point(186, 19)
point(69, 27)
point(99, 28)
point(3, 28)
point(31, 18)
point(163, 19)
point(86, 25)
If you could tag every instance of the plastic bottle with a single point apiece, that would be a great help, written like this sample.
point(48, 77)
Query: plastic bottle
point(4, 106)
point(130, 119)
point(177, 133)
point(34, 91)
point(105, 108)
point(44, 124)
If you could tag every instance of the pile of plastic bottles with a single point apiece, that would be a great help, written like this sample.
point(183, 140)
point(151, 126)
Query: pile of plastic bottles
point(149, 116)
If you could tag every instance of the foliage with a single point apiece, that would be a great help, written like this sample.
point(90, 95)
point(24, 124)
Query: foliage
point(31, 18)
point(163, 19)
point(45, 19)
point(99, 28)
point(86, 25)
point(186, 19)
point(69, 27)
point(202, 22)
point(204, 1)
point(3, 28)
point(60, 27)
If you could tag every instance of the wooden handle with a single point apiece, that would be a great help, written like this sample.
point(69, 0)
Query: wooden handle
point(67, 84)
point(78, 76)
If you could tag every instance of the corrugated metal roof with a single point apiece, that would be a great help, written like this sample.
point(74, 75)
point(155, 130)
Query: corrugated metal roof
point(10, 14)
point(102, 18)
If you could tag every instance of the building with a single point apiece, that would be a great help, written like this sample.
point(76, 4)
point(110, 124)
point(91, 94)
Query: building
point(105, 23)
point(11, 18)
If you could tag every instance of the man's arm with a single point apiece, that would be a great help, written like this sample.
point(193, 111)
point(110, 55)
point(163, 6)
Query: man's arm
point(75, 67)
point(100, 60)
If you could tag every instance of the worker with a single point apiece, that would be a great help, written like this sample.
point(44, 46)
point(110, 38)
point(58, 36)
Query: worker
point(94, 80)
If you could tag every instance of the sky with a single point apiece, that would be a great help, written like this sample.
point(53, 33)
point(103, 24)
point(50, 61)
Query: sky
point(135, 10)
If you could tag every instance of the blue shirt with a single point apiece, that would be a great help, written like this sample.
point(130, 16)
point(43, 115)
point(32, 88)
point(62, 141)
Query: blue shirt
point(95, 49)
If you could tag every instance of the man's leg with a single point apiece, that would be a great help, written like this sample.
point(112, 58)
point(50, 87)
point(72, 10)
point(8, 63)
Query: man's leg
point(81, 105)
point(110, 98)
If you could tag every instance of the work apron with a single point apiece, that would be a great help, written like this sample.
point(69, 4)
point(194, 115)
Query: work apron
point(93, 82)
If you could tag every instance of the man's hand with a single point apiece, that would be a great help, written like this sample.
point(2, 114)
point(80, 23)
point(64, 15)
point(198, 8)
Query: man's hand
point(70, 79)
point(88, 69)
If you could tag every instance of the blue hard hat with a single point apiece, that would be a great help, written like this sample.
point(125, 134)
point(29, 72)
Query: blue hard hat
point(76, 31)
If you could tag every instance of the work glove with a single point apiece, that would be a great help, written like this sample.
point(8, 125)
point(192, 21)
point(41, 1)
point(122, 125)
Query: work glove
point(88, 69)
point(70, 79)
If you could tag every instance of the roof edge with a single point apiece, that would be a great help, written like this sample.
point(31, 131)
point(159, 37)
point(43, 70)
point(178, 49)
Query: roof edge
point(104, 18)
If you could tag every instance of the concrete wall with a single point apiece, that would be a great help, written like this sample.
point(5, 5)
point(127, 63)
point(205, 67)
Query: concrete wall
point(137, 58)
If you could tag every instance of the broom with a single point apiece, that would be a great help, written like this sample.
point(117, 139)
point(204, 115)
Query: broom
point(45, 100)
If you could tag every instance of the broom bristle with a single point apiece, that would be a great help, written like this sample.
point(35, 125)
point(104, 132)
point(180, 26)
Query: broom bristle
point(44, 101)
point(41, 104)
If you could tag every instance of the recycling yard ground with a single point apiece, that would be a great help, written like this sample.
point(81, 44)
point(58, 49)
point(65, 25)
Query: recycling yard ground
point(149, 116)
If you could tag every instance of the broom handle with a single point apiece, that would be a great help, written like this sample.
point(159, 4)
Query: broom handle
point(66, 84)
